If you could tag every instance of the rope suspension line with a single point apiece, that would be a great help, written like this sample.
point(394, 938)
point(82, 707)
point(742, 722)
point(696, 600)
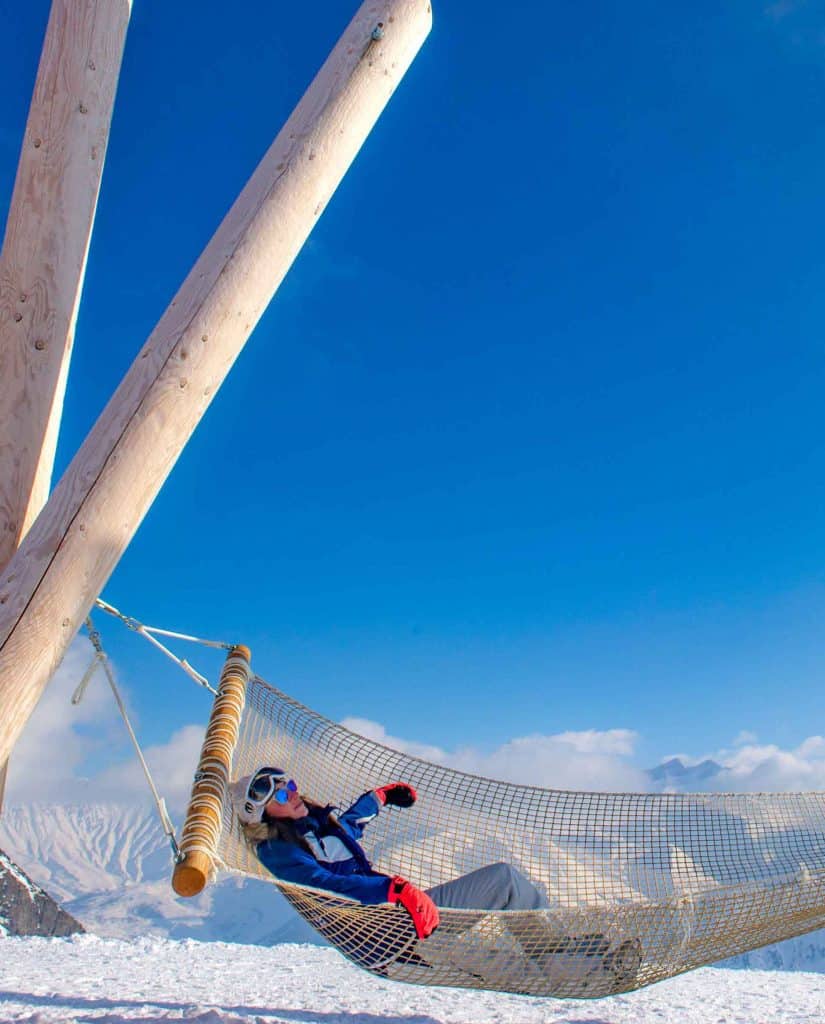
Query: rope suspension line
point(101, 660)
point(148, 633)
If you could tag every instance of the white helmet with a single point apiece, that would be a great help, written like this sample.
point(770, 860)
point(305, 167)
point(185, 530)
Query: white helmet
point(251, 793)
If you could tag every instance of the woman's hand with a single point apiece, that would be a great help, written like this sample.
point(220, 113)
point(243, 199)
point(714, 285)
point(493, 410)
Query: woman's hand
point(397, 794)
point(419, 906)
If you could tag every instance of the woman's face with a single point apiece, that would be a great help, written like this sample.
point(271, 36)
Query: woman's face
point(293, 808)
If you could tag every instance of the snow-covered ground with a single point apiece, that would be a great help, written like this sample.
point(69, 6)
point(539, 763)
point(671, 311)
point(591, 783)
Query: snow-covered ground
point(86, 979)
point(109, 866)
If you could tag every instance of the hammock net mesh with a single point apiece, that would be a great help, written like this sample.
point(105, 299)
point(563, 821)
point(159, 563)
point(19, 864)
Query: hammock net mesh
point(640, 886)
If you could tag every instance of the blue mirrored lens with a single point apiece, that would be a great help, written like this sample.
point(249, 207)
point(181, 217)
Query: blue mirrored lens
point(282, 795)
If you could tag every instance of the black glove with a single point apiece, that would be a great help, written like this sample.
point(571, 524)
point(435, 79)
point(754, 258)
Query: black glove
point(398, 794)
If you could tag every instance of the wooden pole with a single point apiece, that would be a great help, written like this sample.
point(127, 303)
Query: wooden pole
point(72, 548)
point(43, 259)
point(204, 818)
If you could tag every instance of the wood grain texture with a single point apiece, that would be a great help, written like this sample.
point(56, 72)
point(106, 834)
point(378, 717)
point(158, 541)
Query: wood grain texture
point(43, 259)
point(74, 545)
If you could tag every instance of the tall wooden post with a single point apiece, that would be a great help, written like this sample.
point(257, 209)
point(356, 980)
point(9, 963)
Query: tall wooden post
point(43, 259)
point(74, 545)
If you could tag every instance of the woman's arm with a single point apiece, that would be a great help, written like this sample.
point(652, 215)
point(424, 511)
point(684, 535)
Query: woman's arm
point(367, 806)
point(362, 812)
point(290, 863)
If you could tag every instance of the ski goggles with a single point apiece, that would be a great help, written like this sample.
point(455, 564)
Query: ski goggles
point(270, 784)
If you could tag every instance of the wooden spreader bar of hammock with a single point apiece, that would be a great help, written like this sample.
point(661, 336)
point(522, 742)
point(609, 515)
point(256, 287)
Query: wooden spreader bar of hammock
point(204, 818)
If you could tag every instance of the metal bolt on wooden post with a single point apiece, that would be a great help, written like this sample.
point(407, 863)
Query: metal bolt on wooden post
point(204, 820)
point(72, 548)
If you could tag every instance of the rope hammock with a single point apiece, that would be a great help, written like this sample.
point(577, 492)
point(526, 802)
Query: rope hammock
point(674, 881)
point(640, 886)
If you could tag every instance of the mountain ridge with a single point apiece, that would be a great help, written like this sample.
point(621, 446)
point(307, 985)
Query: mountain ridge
point(110, 866)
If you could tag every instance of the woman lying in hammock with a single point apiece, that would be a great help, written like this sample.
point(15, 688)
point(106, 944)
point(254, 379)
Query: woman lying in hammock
point(307, 843)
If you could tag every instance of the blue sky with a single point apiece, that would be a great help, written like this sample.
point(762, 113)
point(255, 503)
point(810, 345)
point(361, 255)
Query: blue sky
point(531, 434)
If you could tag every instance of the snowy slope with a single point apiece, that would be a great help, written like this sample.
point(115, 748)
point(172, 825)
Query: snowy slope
point(83, 849)
point(84, 979)
point(110, 867)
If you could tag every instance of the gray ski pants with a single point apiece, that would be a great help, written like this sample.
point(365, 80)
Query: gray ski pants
point(493, 887)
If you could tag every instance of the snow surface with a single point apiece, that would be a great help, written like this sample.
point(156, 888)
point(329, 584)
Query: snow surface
point(83, 979)
point(109, 866)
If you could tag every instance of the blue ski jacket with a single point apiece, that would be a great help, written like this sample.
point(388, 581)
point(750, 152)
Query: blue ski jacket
point(337, 862)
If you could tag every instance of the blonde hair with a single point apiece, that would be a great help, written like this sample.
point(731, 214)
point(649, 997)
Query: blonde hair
point(254, 834)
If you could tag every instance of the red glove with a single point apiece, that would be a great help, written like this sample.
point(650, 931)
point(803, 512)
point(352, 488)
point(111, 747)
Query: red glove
point(419, 906)
point(399, 794)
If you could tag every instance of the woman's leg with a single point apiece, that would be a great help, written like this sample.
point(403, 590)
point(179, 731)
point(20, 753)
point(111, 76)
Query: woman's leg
point(578, 965)
point(493, 887)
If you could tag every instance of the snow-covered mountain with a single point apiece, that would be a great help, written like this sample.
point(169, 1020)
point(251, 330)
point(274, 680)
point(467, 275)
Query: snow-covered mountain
point(77, 850)
point(676, 776)
point(110, 867)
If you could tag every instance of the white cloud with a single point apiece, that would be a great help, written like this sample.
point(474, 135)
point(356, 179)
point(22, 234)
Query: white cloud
point(49, 761)
point(588, 760)
point(751, 767)
point(768, 768)
point(59, 736)
point(613, 741)
point(172, 765)
point(601, 761)
point(51, 758)
point(812, 747)
point(376, 731)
